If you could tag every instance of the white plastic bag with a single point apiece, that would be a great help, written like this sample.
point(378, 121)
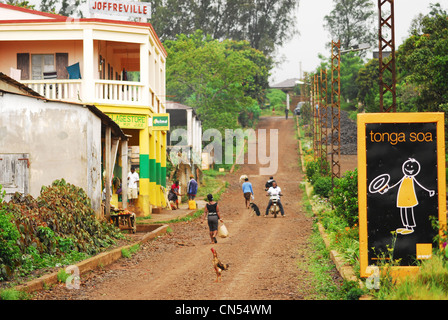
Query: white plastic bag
point(222, 231)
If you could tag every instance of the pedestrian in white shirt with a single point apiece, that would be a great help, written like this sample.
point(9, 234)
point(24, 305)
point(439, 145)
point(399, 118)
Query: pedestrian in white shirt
point(133, 179)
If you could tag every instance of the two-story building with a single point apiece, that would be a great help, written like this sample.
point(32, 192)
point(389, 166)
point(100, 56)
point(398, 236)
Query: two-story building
point(117, 66)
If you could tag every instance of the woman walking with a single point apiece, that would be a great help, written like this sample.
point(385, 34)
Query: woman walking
point(211, 213)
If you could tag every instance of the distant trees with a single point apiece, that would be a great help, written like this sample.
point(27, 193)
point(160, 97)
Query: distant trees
point(422, 68)
point(265, 24)
point(223, 80)
point(423, 63)
point(69, 8)
point(20, 3)
point(422, 60)
point(352, 22)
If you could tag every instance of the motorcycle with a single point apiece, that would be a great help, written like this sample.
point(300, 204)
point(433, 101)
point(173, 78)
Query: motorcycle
point(274, 209)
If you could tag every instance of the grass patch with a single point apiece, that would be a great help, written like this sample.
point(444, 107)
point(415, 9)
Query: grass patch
point(13, 294)
point(431, 283)
point(211, 183)
point(323, 268)
point(128, 252)
point(62, 276)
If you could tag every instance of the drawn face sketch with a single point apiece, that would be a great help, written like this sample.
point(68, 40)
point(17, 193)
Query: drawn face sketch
point(411, 168)
point(406, 197)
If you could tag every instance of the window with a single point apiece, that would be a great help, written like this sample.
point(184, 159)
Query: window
point(41, 63)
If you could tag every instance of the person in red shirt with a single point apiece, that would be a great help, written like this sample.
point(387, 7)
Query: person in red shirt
point(174, 193)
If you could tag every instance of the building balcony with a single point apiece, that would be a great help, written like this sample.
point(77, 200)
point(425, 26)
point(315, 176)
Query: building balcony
point(109, 92)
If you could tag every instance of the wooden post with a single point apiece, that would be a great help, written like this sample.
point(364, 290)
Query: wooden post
point(124, 173)
point(107, 160)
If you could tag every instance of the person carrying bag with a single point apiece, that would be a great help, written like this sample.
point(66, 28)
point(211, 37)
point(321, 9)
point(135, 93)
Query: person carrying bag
point(211, 213)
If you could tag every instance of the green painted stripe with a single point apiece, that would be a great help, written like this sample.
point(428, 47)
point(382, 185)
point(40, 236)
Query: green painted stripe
point(158, 172)
point(152, 170)
point(144, 166)
point(163, 177)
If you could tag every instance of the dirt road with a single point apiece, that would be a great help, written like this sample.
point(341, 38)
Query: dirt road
point(267, 256)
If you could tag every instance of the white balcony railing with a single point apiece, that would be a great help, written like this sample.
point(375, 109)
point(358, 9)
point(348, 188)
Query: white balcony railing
point(106, 91)
point(110, 91)
point(67, 90)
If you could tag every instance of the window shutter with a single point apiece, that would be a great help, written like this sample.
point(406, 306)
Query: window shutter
point(61, 65)
point(23, 63)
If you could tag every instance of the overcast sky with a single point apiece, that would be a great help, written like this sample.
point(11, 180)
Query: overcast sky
point(302, 51)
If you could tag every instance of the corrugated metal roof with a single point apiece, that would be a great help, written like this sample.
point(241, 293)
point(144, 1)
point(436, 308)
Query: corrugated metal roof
point(25, 89)
point(287, 84)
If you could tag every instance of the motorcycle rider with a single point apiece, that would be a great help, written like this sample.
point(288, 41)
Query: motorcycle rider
point(269, 183)
point(275, 191)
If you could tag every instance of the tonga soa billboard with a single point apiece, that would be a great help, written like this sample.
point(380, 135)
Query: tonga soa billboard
point(401, 187)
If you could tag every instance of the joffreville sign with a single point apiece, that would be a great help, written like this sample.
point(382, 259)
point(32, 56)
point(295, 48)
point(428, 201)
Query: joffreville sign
point(401, 187)
point(133, 9)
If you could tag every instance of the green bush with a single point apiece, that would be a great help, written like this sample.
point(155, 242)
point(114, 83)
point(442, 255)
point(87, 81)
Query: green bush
point(59, 225)
point(345, 197)
point(9, 235)
point(322, 186)
point(316, 169)
point(277, 98)
point(310, 170)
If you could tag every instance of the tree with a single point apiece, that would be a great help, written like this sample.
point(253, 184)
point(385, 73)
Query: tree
point(422, 61)
point(265, 24)
point(368, 85)
point(21, 3)
point(69, 8)
point(211, 76)
point(256, 84)
point(350, 66)
point(351, 21)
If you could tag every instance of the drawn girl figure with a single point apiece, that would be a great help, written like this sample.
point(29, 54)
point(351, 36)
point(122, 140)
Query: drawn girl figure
point(406, 198)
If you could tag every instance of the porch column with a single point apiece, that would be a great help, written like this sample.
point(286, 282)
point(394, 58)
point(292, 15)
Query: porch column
point(144, 72)
point(190, 132)
point(152, 167)
point(107, 180)
point(163, 166)
point(158, 168)
point(124, 173)
point(200, 138)
point(88, 83)
point(193, 136)
point(163, 159)
point(144, 184)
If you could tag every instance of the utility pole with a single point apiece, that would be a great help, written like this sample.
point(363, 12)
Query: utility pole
point(335, 110)
point(323, 116)
point(387, 28)
point(315, 122)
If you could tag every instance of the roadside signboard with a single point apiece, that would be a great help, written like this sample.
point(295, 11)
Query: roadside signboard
point(161, 121)
point(401, 188)
point(134, 9)
point(129, 121)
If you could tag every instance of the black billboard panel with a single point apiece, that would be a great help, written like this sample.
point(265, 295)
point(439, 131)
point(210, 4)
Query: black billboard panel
point(401, 164)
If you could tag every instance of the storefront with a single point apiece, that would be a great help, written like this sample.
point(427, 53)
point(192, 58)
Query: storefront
point(148, 133)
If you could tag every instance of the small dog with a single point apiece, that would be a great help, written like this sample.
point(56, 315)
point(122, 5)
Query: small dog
point(255, 208)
